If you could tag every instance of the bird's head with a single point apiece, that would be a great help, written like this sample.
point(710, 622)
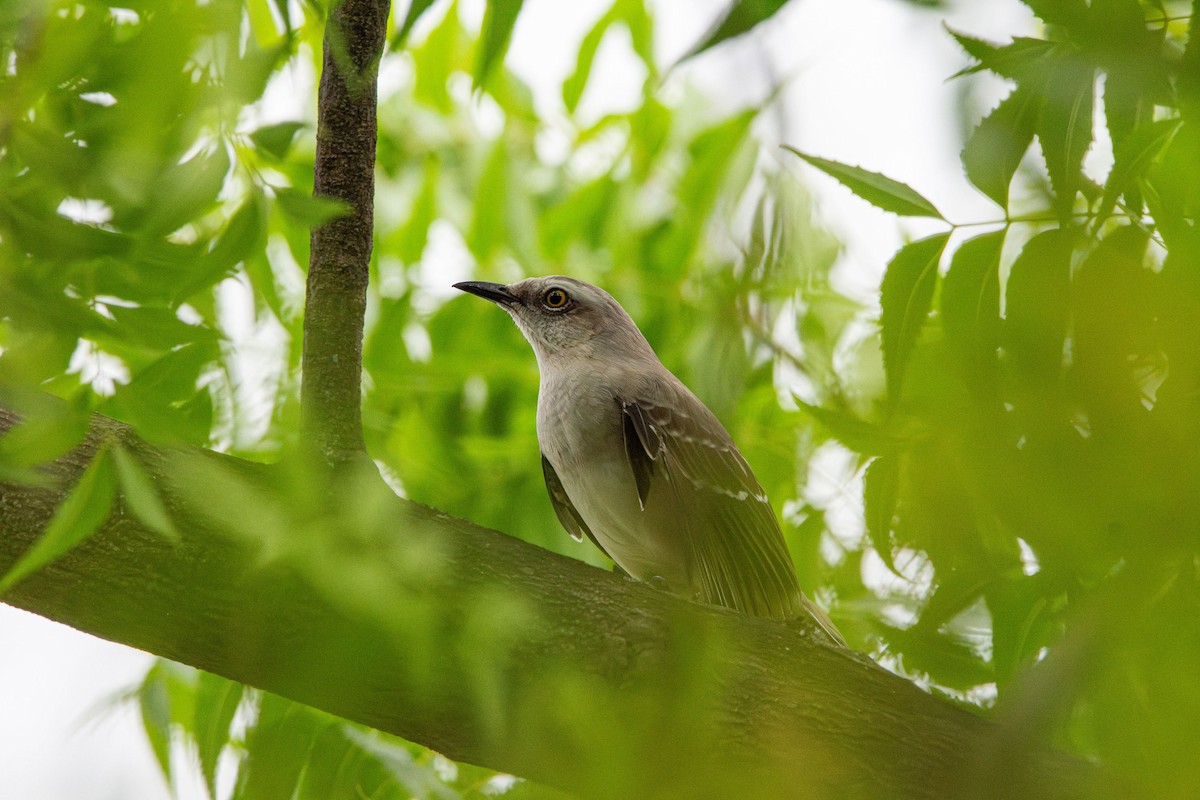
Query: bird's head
point(564, 317)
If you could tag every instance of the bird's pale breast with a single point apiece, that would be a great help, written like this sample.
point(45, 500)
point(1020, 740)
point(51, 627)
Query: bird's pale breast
point(581, 434)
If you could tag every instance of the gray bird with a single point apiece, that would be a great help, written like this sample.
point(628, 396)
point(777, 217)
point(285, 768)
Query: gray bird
point(635, 462)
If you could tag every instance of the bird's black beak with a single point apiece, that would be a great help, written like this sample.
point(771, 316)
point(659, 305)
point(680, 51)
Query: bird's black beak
point(496, 292)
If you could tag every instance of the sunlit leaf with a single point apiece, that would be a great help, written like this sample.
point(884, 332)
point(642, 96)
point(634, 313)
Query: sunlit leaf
point(489, 225)
point(714, 154)
point(275, 140)
point(277, 748)
point(1036, 312)
point(1058, 12)
point(498, 22)
point(955, 663)
point(1064, 128)
point(740, 17)
point(576, 82)
point(1018, 609)
point(879, 190)
point(410, 240)
point(1113, 315)
point(217, 700)
point(1022, 59)
point(415, 9)
point(155, 705)
point(905, 298)
point(140, 494)
point(263, 23)
point(163, 400)
point(156, 329)
point(359, 763)
point(182, 193)
point(85, 507)
point(996, 146)
point(240, 237)
point(970, 305)
point(861, 436)
point(1132, 158)
point(44, 434)
point(309, 210)
point(435, 59)
point(583, 214)
point(880, 495)
point(166, 698)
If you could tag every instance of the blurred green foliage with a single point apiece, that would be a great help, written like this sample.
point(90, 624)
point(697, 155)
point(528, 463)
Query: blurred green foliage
point(1046, 384)
point(1026, 444)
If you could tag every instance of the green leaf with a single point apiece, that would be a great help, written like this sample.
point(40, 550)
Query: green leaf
point(181, 193)
point(861, 436)
point(714, 155)
point(1036, 311)
point(498, 24)
point(241, 236)
point(155, 329)
point(1019, 621)
point(1114, 311)
point(217, 701)
point(880, 495)
point(163, 400)
point(410, 240)
point(141, 496)
point(740, 17)
point(996, 146)
point(1059, 12)
point(155, 704)
point(309, 210)
point(166, 698)
point(443, 53)
point(906, 297)
point(879, 190)
point(954, 593)
point(275, 140)
point(1064, 128)
point(1132, 158)
point(971, 306)
point(393, 759)
point(1020, 60)
point(640, 25)
point(85, 507)
point(576, 82)
point(415, 9)
point(584, 214)
point(951, 661)
point(47, 431)
point(489, 229)
point(633, 14)
point(277, 748)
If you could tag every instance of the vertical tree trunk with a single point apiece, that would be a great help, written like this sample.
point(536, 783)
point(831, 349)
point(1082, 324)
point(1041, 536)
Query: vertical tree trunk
point(331, 415)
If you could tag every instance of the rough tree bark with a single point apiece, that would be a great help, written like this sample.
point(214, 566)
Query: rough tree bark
point(502, 654)
point(340, 256)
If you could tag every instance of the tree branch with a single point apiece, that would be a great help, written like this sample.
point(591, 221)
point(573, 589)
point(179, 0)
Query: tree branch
point(340, 256)
point(496, 652)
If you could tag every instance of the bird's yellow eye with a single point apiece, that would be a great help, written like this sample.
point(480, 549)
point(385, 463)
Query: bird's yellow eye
point(555, 299)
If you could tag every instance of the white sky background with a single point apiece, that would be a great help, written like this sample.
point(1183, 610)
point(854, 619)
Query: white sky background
point(867, 87)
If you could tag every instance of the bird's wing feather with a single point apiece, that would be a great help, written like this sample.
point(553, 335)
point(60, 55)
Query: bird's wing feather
point(738, 553)
point(564, 509)
point(566, 512)
point(642, 447)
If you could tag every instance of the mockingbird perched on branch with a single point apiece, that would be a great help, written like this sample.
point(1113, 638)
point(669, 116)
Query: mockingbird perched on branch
point(635, 462)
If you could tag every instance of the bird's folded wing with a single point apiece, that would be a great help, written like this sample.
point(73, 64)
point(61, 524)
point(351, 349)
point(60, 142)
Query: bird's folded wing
point(739, 558)
point(563, 507)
